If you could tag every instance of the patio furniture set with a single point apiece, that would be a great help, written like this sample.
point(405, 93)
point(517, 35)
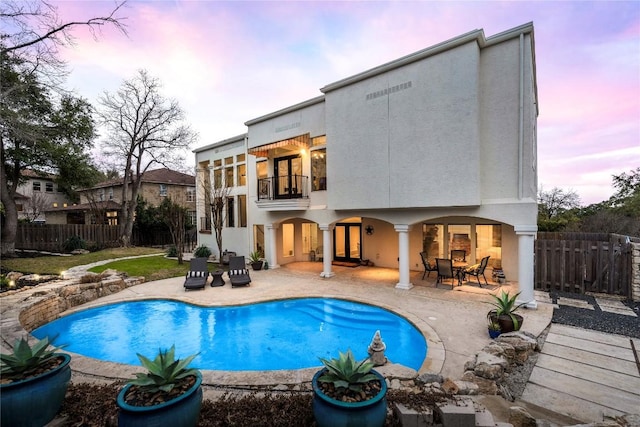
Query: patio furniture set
point(455, 268)
point(198, 274)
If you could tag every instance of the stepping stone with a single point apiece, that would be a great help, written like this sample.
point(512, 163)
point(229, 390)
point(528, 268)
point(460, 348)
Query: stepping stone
point(615, 306)
point(575, 303)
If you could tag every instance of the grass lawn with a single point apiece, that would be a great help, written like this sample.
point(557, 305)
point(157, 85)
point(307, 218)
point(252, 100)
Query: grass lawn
point(58, 264)
point(152, 268)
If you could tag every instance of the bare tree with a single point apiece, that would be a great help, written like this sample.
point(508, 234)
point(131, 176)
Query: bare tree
point(216, 199)
point(36, 205)
point(174, 216)
point(556, 201)
point(144, 129)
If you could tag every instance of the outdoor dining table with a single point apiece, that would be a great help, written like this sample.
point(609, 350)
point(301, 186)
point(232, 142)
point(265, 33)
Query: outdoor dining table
point(458, 268)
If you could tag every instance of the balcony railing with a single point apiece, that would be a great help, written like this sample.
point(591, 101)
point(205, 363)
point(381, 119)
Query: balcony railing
point(283, 187)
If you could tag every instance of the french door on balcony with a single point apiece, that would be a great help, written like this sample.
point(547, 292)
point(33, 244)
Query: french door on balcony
point(288, 173)
point(346, 242)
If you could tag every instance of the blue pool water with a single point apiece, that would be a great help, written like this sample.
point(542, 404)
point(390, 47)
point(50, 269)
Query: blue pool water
point(285, 334)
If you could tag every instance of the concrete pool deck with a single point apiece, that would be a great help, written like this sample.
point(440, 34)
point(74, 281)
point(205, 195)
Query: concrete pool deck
point(452, 321)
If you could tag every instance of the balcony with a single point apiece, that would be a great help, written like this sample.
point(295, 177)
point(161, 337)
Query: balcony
point(283, 193)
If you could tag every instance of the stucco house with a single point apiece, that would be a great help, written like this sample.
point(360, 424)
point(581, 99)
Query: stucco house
point(434, 151)
point(105, 198)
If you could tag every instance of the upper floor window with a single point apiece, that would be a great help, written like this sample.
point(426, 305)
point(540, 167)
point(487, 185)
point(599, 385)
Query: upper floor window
point(101, 195)
point(110, 193)
point(163, 190)
point(231, 220)
point(319, 169)
point(242, 174)
point(191, 194)
point(36, 186)
point(48, 186)
point(228, 177)
point(319, 140)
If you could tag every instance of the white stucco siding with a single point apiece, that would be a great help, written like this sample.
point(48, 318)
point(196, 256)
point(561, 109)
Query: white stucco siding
point(408, 137)
point(357, 146)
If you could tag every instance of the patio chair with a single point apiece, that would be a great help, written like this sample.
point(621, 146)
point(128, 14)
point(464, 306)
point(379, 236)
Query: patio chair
point(446, 271)
point(238, 273)
point(428, 267)
point(459, 255)
point(196, 277)
point(478, 270)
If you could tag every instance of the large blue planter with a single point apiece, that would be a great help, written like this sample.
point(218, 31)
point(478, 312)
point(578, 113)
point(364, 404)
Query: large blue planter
point(329, 412)
point(182, 411)
point(35, 401)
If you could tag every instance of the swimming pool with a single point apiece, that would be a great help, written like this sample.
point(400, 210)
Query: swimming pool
point(283, 334)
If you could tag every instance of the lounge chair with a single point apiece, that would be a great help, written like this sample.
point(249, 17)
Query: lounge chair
point(446, 271)
point(238, 273)
point(478, 270)
point(196, 277)
point(428, 267)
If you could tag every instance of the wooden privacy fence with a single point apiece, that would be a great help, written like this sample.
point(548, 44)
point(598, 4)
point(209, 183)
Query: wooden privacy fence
point(583, 262)
point(51, 237)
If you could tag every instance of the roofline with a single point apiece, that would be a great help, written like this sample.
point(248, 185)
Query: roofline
point(475, 35)
point(221, 143)
point(304, 104)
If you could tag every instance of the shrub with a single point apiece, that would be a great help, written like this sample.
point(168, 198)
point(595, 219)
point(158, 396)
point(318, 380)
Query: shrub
point(73, 243)
point(172, 251)
point(4, 282)
point(202, 251)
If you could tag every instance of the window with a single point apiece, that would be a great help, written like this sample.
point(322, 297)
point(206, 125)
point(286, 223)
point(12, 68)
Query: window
point(101, 195)
point(309, 237)
point(319, 140)
point(228, 160)
point(110, 193)
point(242, 210)
point(163, 190)
point(231, 221)
point(319, 170)
point(489, 243)
point(112, 218)
point(240, 158)
point(36, 186)
point(191, 218)
point(287, 240)
point(228, 177)
point(258, 237)
point(48, 187)
point(261, 169)
point(242, 175)
point(191, 194)
point(217, 178)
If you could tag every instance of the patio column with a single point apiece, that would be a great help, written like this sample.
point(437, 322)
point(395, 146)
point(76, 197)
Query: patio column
point(403, 251)
point(326, 250)
point(526, 236)
point(272, 253)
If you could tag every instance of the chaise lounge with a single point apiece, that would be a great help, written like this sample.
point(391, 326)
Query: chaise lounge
point(238, 273)
point(196, 277)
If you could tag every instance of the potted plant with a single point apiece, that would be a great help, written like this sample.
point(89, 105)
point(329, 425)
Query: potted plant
point(256, 260)
point(504, 312)
point(349, 393)
point(493, 327)
point(169, 393)
point(34, 383)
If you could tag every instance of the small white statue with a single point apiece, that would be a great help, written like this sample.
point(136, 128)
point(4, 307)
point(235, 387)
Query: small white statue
point(376, 350)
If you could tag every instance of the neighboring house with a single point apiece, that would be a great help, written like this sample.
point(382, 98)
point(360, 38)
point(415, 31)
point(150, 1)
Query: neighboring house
point(435, 151)
point(101, 203)
point(37, 194)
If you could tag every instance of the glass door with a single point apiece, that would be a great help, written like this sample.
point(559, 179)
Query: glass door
point(288, 173)
point(346, 238)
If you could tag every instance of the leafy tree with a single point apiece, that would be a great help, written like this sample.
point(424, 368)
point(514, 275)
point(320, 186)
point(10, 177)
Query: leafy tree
point(38, 130)
point(144, 129)
point(555, 208)
point(626, 200)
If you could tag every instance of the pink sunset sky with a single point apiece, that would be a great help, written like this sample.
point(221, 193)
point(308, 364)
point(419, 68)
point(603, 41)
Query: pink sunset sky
point(229, 62)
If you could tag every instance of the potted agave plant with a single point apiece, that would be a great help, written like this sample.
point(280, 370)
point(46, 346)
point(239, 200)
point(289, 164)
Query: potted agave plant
point(256, 260)
point(33, 377)
point(349, 393)
point(493, 327)
point(504, 313)
point(169, 393)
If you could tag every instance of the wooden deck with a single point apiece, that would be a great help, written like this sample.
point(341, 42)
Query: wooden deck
point(586, 375)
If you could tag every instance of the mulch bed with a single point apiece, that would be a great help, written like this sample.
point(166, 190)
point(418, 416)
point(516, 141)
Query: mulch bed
point(95, 405)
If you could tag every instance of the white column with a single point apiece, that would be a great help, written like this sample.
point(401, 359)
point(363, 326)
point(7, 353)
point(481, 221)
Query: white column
point(526, 237)
point(403, 251)
point(326, 250)
point(272, 253)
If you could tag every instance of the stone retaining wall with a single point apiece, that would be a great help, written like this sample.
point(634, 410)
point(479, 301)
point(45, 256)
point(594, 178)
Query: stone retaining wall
point(635, 271)
point(28, 308)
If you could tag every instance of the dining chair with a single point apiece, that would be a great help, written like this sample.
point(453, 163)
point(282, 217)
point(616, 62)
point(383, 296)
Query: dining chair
point(428, 267)
point(445, 271)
